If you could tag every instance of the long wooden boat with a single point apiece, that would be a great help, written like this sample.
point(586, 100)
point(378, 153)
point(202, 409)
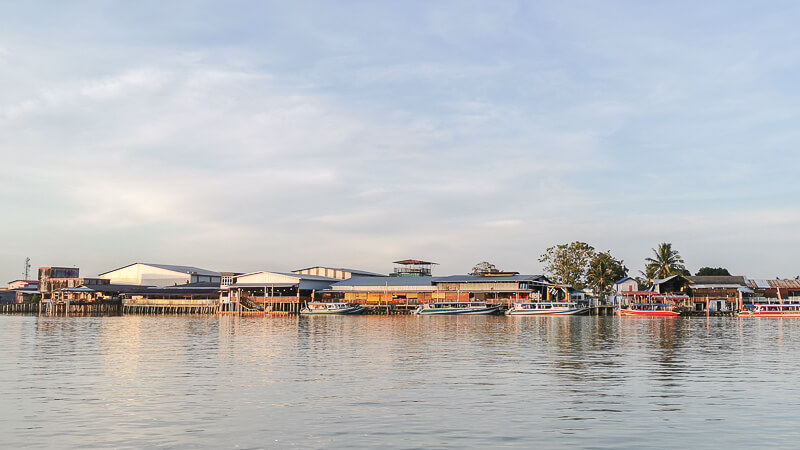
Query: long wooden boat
point(443, 308)
point(321, 308)
point(646, 309)
point(771, 310)
point(546, 309)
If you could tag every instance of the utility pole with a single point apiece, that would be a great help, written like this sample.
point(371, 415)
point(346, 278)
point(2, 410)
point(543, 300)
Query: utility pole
point(27, 268)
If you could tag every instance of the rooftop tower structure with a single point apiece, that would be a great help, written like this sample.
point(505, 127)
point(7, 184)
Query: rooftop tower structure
point(412, 268)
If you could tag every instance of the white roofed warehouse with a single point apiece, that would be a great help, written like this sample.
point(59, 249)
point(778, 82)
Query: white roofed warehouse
point(273, 291)
point(160, 275)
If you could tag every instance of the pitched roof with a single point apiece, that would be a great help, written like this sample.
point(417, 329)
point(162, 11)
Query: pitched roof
point(174, 268)
point(717, 279)
point(488, 279)
point(354, 272)
point(385, 281)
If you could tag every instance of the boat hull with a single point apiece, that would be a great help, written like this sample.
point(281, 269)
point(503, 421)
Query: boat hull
point(337, 312)
point(769, 314)
point(632, 312)
point(451, 312)
point(534, 312)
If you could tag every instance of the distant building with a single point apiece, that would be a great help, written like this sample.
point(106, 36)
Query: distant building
point(409, 291)
point(53, 279)
point(23, 284)
point(160, 275)
point(716, 293)
point(339, 273)
point(626, 284)
point(396, 290)
point(776, 289)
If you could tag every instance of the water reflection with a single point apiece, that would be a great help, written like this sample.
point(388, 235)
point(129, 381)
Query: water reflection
point(405, 381)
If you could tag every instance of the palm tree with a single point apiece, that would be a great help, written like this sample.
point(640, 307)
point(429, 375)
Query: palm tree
point(603, 271)
point(667, 262)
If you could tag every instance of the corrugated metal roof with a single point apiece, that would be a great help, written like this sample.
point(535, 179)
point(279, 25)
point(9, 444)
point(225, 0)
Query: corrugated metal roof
point(489, 279)
point(774, 284)
point(385, 281)
point(307, 277)
point(116, 288)
point(298, 276)
point(664, 280)
point(785, 284)
point(174, 268)
point(759, 284)
point(414, 261)
point(344, 269)
point(718, 279)
point(716, 286)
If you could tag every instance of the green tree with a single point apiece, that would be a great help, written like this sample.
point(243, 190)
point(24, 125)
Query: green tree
point(604, 271)
point(568, 263)
point(712, 271)
point(666, 262)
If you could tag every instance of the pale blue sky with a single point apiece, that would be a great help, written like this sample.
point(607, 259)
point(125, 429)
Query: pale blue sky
point(279, 135)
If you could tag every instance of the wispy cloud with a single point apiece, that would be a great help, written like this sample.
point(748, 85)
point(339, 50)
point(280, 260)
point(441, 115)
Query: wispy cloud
point(451, 131)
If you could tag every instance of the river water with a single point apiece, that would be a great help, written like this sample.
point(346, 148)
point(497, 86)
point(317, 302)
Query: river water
point(399, 381)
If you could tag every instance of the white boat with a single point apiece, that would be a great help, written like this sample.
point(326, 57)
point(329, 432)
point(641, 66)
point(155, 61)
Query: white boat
point(771, 310)
point(441, 308)
point(546, 309)
point(320, 308)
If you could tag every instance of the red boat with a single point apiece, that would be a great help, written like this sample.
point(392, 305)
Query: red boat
point(646, 309)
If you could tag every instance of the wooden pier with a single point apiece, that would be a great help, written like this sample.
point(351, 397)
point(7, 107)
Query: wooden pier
point(602, 310)
point(169, 306)
point(109, 308)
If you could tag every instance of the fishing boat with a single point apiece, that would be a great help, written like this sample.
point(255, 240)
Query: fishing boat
point(646, 309)
point(771, 310)
point(440, 308)
point(546, 309)
point(321, 308)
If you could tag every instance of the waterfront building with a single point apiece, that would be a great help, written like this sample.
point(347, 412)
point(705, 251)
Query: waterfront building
point(53, 279)
point(404, 291)
point(332, 272)
point(275, 290)
point(777, 289)
point(398, 291)
point(160, 275)
point(497, 288)
point(98, 292)
point(716, 293)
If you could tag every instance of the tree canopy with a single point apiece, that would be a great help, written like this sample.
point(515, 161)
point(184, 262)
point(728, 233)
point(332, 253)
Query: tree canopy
point(568, 263)
point(604, 270)
point(483, 267)
point(665, 262)
point(711, 271)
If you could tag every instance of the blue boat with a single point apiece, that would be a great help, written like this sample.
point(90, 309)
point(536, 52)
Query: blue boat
point(320, 308)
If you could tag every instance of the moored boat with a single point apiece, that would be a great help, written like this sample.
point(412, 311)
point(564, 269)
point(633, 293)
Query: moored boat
point(546, 309)
point(320, 308)
point(442, 308)
point(646, 309)
point(771, 310)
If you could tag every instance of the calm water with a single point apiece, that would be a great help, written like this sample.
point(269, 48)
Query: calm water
point(403, 382)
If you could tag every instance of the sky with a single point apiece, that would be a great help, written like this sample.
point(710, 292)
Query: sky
point(258, 135)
